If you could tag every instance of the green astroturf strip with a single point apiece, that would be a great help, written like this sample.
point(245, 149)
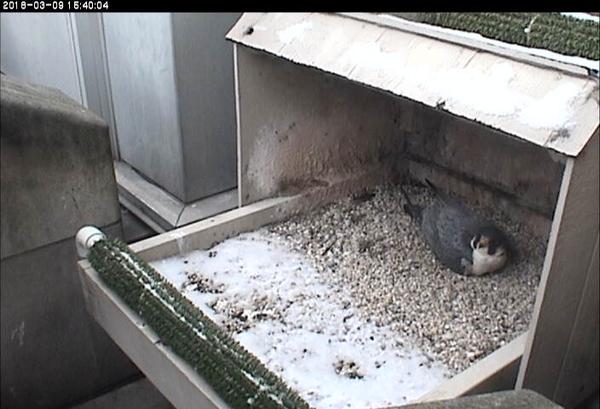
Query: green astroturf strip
point(233, 372)
point(551, 31)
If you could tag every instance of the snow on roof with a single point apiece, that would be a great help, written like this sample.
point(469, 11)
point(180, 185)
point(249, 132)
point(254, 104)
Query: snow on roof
point(553, 105)
point(583, 16)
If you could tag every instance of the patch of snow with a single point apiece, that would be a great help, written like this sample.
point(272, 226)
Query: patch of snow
point(490, 93)
point(301, 328)
point(485, 92)
point(554, 110)
point(583, 16)
point(370, 55)
point(291, 33)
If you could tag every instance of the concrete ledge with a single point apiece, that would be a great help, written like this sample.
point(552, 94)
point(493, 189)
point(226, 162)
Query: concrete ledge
point(56, 175)
point(137, 394)
point(522, 399)
point(53, 352)
point(55, 168)
point(159, 209)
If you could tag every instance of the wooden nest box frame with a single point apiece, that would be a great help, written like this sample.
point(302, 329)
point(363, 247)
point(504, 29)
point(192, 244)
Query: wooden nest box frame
point(329, 104)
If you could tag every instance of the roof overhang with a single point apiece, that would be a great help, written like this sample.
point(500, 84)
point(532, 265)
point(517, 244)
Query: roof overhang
point(549, 103)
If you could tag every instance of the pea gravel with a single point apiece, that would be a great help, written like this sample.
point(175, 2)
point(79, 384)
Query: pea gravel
point(370, 246)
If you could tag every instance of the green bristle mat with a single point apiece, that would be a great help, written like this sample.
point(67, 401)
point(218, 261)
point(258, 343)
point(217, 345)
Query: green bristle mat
point(233, 372)
point(551, 31)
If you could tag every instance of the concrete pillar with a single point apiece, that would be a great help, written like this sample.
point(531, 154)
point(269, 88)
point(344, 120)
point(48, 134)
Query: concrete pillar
point(56, 176)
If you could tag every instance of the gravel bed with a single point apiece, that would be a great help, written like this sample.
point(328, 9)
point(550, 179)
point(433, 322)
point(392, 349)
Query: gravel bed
point(369, 246)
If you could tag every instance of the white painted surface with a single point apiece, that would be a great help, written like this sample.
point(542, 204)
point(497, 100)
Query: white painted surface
point(566, 314)
point(543, 105)
point(85, 238)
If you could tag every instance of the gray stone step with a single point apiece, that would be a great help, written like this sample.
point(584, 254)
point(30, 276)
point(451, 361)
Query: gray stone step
point(523, 399)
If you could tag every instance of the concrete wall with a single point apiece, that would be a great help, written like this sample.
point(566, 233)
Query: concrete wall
point(500, 400)
point(300, 125)
point(41, 48)
point(56, 175)
point(63, 51)
point(162, 81)
point(89, 31)
point(142, 74)
point(205, 87)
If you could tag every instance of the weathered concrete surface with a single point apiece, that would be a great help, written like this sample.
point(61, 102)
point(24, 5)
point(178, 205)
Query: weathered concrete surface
point(55, 168)
point(528, 174)
point(301, 128)
point(137, 394)
point(56, 175)
point(53, 352)
point(522, 399)
point(593, 402)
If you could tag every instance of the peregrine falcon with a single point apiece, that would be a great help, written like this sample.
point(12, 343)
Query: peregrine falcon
point(461, 239)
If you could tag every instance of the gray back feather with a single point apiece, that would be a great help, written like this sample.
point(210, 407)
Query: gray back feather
point(448, 226)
